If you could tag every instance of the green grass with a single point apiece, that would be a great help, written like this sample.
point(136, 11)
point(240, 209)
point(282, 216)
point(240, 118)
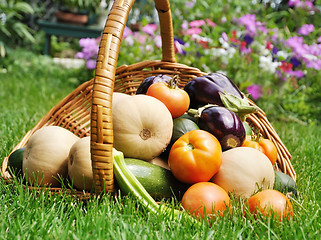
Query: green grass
point(33, 85)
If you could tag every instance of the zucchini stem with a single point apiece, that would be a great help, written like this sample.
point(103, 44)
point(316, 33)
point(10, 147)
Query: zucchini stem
point(128, 183)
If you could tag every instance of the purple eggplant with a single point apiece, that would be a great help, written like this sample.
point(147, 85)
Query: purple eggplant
point(224, 124)
point(206, 89)
point(142, 89)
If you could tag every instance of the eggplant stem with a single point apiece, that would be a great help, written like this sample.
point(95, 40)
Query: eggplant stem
point(172, 84)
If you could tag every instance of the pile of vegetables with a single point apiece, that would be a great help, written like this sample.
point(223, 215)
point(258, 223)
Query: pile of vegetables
point(191, 144)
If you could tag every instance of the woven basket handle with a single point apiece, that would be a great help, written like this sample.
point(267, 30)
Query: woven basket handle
point(101, 112)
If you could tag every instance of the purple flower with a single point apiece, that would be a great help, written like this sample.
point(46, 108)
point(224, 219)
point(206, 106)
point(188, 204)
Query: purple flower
point(294, 42)
point(90, 47)
point(248, 39)
point(255, 91)
point(297, 73)
point(316, 64)
point(261, 27)
point(306, 29)
point(184, 25)
point(274, 51)
point(91, 63)
point(315, 49)
point(319, 39)
point(275, 32)
point(190, 4)
point(179, 47)
point(295, 62)
point(249, 21)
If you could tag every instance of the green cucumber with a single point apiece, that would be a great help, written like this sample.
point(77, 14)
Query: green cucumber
point(159, 182)
point(284, 183)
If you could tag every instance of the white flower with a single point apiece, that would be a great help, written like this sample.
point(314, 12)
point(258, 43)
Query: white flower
point(218, 52)
point(310, 57)
point(282, 55)
point(266, 63)
point(3, 18)
point(224, 43)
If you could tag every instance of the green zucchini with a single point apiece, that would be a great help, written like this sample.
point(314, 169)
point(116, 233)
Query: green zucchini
point(159, 182)
point(182, 126)
point(15, 161)
point(284, 183)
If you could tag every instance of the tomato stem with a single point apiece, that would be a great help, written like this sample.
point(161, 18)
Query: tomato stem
point(189, 147)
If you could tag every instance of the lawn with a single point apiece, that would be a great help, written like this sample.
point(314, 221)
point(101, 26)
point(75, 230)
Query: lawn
point(33, 84)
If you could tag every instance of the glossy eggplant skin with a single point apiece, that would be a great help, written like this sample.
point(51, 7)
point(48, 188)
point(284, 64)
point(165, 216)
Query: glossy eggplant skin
point(224, 124)
point(145, 84)
point(205, 89)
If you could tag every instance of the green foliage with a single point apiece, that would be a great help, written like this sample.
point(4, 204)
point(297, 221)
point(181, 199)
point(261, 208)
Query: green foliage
point(13, 31)
point(79, 5)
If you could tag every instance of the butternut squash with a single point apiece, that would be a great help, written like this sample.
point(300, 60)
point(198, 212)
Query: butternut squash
point(142, 127)
point(46, 154)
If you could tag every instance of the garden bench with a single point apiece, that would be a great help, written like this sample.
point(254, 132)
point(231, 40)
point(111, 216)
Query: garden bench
point(69, 30)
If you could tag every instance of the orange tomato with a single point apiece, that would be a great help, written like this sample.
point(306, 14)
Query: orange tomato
point(195, 157)
point(264, 145)
point(270, 203)
point(206, 197)
point(175, 99)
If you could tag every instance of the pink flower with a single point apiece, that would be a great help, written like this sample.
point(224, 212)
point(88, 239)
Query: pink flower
point(306, 29)
point(127, 32)
point(196, 23)
point(308, 4)
point(150, 29)
point(255, 91)
point(141, 38)
point(158, 41)
point(210, 22)
point(193, 31)
point(319, 39)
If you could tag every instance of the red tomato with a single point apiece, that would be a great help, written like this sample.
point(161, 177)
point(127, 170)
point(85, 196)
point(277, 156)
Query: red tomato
point(195, 157)
point(206, 195)
point(264, 145)
point(270, 203)
point(175, 99)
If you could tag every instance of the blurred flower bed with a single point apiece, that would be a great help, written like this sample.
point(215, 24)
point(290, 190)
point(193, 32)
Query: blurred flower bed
point(272, 54)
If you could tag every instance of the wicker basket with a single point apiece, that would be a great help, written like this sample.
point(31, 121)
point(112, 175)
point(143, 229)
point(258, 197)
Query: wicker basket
point(88, 109)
